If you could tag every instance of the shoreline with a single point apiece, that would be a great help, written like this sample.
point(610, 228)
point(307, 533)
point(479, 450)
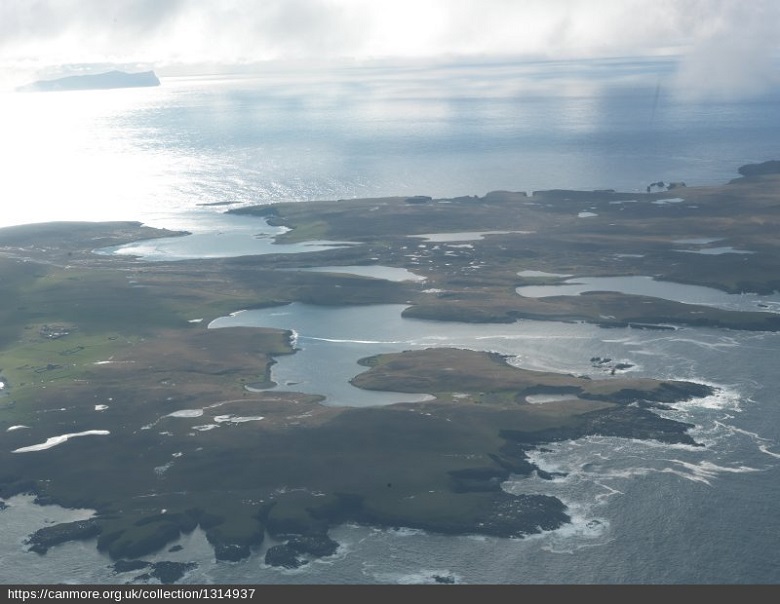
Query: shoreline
point(139, 315)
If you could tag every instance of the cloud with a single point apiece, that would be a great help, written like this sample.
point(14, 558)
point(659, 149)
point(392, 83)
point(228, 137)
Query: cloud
point(27, 24)
point(726, 42)
point(273, 29)
point(734, 55)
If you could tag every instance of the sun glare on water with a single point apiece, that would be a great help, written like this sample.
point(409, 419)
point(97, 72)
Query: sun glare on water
point(66, 149)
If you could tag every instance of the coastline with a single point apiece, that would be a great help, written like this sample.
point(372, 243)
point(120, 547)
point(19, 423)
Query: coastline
point(156, 350)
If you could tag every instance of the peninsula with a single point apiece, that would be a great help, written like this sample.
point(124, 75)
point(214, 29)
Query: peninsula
point(117, 397)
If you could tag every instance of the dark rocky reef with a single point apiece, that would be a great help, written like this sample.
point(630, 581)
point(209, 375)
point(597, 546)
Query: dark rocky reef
point(49, 536)
point(496, 513)
point(146, 535)
point(284, 556)
point(299, 550)
point(231, 541)
point(166, 572)
point(235, 547)
point(623, 422)
point(444, 579)
point(665, 392)
point(169, 572)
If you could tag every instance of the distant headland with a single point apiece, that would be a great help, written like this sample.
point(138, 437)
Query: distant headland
point(100, 81)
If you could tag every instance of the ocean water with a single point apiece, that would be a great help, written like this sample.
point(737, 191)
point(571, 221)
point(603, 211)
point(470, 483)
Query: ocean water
point(178, 155)
point(154, 154)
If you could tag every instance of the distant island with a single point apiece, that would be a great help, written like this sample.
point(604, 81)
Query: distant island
point(99, 81)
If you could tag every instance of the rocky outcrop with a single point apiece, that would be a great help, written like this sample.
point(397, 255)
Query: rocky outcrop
point(170, 572)
point(283, 555)
point(42, 539)
point(501, 515)
point(665, 392)
point(314, 545)
point(623, 422)
point(299, 550)
point(306, 537)
point(126, 544)
point(496, 513)
point(166, 572)
point(147, 535)
point(232, 543)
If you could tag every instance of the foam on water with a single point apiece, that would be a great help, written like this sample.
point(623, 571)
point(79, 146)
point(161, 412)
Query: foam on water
point(715, 251)
point(765, 449)
point(582, 496)
point(590, 472)
point(709, 415)
point(724, 397)
point(582, 532)
point(703, 471)
point(422, 577)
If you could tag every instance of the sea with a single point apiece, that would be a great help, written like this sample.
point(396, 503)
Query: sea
point(178, 155)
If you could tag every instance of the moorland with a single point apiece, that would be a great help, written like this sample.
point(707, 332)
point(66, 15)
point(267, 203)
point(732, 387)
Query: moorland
point(116, 396)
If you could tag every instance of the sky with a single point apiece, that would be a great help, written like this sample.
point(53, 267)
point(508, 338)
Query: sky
point(722, 43)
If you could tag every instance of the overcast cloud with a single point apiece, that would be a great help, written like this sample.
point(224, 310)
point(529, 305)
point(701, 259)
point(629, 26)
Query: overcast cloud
point(723, 41)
